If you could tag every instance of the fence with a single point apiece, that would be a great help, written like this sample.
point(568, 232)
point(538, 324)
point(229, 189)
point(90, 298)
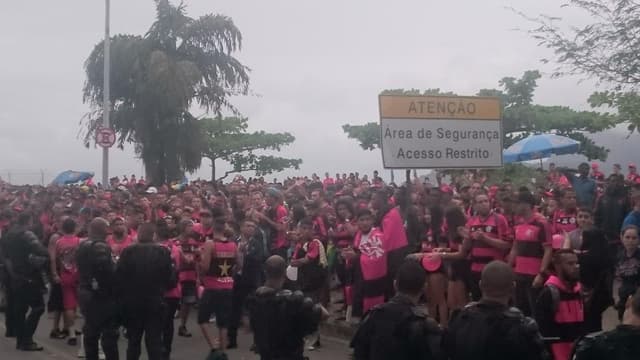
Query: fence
point(27, 176)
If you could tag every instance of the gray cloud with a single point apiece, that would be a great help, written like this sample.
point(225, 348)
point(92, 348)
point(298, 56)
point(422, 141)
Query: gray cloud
point(316, 65)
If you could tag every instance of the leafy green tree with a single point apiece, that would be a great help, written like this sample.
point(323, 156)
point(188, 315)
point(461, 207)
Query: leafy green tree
point(156, 78)
point(606, 49)
point(228, 140)
point(520, 116)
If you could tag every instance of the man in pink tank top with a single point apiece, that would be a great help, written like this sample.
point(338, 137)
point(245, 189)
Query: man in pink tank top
point(64, 271)
point(217, 267)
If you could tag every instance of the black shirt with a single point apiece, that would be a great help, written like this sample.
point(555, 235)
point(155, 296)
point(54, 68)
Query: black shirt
point(622, 343)
point(27, 255)
point(144, 271)
point(493, 331)
point(397, 330)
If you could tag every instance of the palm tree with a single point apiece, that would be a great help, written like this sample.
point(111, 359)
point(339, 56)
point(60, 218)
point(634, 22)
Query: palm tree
point(156, 78)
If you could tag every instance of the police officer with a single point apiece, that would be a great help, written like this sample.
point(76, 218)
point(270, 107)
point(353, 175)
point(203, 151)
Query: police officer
point(619, 344)
point(280, 319)
point(144, 274)
point(490, 329)
point(252, 252)
point(25, 260)
point(399, 329)
point(96, 292)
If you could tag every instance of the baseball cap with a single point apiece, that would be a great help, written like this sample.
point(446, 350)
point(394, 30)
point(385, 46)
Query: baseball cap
point(152, 190)
point(594, 165)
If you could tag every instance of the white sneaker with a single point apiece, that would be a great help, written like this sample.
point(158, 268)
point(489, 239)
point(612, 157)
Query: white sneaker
point(81, 353)
point(101, 355)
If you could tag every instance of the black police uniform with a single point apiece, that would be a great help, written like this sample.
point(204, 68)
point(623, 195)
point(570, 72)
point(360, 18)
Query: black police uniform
point(493, 331)
point(397, 330)
point(280, 319)
point(144, 274)
point(97, 298)
point(27, 259)
point(5, 282)
point(622, 343)
point(246, 281)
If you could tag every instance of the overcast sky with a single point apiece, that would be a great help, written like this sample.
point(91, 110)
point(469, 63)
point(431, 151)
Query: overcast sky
point(315, 66)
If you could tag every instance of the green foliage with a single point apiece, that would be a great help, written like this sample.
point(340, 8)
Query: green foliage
point(368, 135)
point(521, 118)
point(605, 49)
point(519, 174)
point(228, 140)
point(155, 79)
point(627, 105)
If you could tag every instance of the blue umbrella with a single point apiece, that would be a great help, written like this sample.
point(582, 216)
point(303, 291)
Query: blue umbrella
point(71, 177)
point(539, 147)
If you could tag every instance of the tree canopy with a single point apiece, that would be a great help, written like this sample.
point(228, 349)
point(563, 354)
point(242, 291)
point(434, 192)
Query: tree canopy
point(521, 117)
point(156, 78)
point(605, 49)
point(229, 140)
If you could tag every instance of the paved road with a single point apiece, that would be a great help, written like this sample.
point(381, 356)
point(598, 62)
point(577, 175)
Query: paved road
point(192, 349)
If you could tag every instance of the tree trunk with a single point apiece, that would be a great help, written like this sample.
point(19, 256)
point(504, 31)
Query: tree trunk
point(213, 170)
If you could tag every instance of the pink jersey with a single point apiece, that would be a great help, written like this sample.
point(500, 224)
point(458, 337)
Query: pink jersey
point(202, 234)
point(564, 222)
point(117, 246)
point(281, 215)
point(373, 265)
point(394, 235)
point(219, 276)
point(174, 293)
point(66, 247)
point(189, 256)
point(494, 226)
point(530, 239)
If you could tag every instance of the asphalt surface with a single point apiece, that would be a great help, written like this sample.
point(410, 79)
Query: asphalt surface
point(184, 348)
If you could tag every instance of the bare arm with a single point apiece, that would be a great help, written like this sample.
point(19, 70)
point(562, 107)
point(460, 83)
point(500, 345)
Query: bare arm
point(495, 242)
point(205, 257)
point(511, 258)
point(53, 256)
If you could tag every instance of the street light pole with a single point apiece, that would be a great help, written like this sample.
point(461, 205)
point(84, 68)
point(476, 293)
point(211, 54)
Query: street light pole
point(106, 92)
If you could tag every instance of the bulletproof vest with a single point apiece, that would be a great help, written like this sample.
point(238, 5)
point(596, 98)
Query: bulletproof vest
point(400, 330)
point(490, 332)
point(96, 267)
point(280, 319)
point(618, 344)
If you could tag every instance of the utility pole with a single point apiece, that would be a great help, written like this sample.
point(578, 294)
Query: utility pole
point(106, 107)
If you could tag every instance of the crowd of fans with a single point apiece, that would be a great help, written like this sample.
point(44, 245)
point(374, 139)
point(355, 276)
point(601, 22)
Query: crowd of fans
point(565, 245)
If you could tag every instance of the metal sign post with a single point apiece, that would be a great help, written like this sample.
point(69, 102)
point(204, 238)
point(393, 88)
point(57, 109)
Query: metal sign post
point(106, 92)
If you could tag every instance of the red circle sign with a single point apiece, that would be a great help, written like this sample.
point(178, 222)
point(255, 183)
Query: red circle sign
point(105, 137)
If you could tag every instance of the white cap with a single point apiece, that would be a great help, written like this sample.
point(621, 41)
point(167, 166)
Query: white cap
point(152, 190)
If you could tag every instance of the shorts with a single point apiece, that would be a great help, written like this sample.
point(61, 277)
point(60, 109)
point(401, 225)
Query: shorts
point(69, 297)
point(460, 270)
point(55, 302)
point(218, 303)
point(189, 293)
